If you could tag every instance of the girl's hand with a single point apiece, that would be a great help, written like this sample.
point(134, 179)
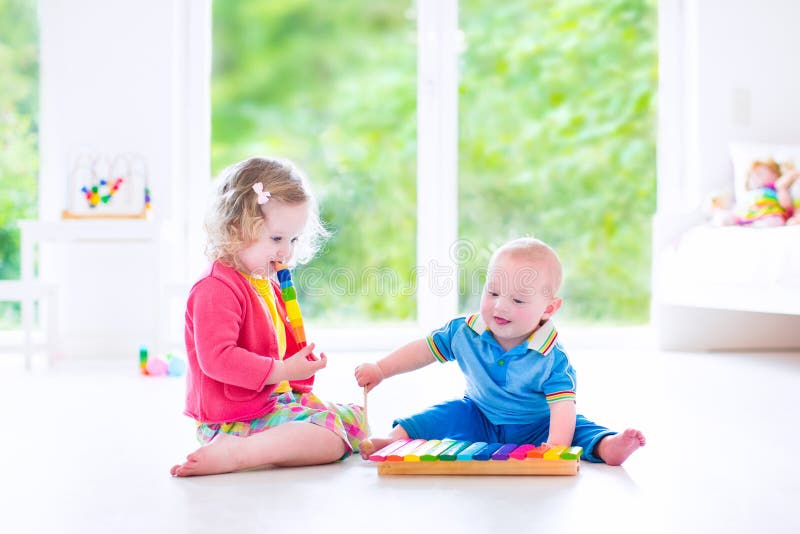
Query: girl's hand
point(369, 375)
point(302, 364)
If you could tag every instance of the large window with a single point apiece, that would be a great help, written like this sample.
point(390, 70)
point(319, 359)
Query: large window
point(331, 86)
point(556, 123)
point(18, 136)
point(557, 141)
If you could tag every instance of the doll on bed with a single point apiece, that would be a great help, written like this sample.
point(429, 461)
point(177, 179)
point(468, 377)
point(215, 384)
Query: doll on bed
point(761, 206)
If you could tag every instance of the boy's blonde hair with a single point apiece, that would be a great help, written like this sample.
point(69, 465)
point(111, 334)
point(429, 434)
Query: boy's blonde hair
point(234, 219)
point(535, 251)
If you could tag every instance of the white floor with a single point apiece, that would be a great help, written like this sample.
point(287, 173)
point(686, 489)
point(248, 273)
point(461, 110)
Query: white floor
point(87, 446)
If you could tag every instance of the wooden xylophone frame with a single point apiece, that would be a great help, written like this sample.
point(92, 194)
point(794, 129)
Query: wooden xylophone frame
point(529, 466)
point(413, 465)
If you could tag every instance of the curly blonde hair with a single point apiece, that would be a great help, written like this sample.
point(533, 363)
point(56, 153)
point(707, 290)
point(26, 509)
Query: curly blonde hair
point(234, 219)
point(769, 163)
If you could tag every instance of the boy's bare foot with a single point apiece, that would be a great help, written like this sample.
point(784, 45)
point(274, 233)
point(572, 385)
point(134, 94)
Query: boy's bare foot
point(614, 450)
point(219, 456)
point(372, 445)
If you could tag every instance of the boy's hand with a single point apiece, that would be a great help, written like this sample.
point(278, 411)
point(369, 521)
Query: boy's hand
point(302, 364)
point(368, 375)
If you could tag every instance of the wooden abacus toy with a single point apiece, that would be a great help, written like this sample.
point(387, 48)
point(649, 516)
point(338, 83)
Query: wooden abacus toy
point(451, 457)
point(292, 306)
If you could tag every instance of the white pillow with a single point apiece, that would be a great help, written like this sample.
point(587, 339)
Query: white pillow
point(744, 154)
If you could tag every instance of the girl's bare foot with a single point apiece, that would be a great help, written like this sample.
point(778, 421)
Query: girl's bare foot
point(219, 456)
point(614, 450)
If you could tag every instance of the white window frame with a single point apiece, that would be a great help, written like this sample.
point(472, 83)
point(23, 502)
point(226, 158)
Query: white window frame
point(194, 160)
point(437, 161)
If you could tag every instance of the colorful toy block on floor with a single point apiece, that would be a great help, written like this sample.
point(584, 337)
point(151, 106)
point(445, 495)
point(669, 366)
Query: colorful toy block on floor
point(169, 365)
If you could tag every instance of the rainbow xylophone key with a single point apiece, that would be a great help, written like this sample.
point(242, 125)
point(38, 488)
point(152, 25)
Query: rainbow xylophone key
point(451, 457)
point(292, 306)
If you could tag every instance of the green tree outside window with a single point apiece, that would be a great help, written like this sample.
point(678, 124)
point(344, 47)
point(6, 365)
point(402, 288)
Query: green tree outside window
point(19, 157)
point(557, 138)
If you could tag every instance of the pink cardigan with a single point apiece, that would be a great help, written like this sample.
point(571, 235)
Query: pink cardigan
point(230, 348)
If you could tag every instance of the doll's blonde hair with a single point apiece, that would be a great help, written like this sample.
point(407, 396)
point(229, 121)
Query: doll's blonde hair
point(234, 219)
point(537, 252)
point(769, 163)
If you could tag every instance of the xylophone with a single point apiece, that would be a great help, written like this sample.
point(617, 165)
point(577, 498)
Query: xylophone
point(452, 457)
point(292, 306)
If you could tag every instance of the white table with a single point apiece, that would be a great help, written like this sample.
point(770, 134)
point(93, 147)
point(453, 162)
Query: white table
point(34, 233)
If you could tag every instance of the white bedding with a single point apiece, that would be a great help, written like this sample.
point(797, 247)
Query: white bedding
point(733, 268)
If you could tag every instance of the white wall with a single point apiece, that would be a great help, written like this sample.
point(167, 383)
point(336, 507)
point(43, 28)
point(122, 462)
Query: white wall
point(106, 86)
point(741, 83)
point(122, 76)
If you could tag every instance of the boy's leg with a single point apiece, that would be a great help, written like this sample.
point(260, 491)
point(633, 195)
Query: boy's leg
point(459, 419)
point(603, 445)
point(456, 419)
point(287, 445)
point(535, 432)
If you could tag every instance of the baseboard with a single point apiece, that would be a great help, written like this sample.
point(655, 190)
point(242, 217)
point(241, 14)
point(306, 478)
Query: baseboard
point(692, 328)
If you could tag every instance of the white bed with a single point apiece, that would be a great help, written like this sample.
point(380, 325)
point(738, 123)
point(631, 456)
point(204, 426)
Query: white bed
point(728, 288)
point(731, 268)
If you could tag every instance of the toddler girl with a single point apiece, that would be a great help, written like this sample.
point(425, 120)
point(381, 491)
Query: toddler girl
point(249, 382)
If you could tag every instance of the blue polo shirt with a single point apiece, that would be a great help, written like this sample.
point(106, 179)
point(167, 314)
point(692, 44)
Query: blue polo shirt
point(510, 387)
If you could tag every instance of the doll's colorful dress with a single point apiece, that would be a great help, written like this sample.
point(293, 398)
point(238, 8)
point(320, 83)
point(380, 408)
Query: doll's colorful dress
point(760, 205)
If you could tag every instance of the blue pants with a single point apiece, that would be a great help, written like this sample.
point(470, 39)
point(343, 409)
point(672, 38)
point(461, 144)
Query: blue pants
point(461, 419)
